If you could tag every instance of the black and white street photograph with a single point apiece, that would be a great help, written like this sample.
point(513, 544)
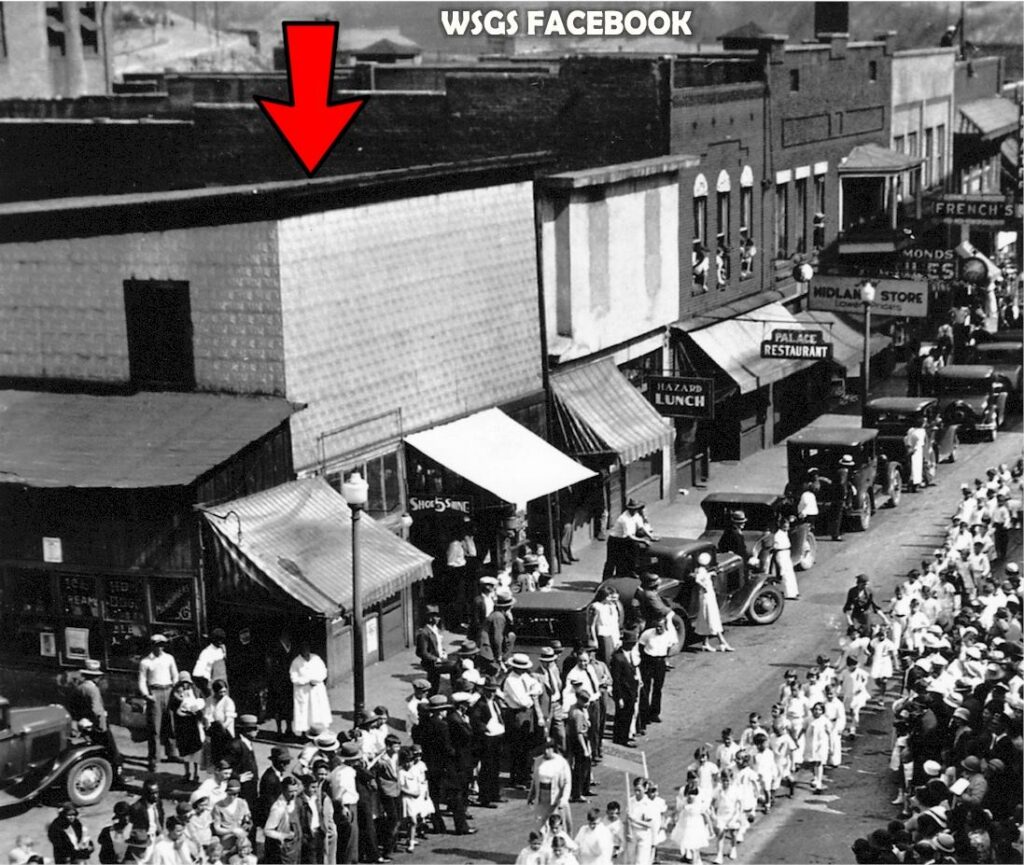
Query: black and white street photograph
point(533, 434)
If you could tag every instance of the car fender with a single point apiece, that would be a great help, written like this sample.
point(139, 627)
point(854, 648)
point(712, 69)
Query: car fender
point(737, 604)
point(945, 439)
point(798, 536)
point(30, 787)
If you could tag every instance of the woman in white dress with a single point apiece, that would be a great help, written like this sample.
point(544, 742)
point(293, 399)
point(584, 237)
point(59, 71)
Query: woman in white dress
point(816, 745)
point(606, 623)
point(915, 441)
point(705, 773)
point(883, 651)
point(310, 705)
point(783, 560)
point(551, 786)
point(691, 829)
point(709, 620)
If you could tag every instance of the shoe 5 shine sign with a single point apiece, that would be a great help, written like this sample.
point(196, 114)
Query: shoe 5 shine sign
point(674, 396)
point(797, 345)
point(899, 297)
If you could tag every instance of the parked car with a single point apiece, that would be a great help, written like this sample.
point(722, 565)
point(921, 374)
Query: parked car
point(1005, 359)
point(972, 396)
point(38, 753)
point(562, 614)
point(823, 447)
point(892, 416)
point(762, 511)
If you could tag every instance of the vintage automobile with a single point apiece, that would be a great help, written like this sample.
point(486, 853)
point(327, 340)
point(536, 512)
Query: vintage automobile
point(761, 510)
point(1005, 359)
point(562, 614)
point(972, 396)
point(823, 447)
point(892, 416)
point(38, 753)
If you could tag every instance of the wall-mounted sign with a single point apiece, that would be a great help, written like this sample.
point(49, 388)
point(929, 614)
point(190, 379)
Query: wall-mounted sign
point(899, 297)
point(439, 505)
point(53, 550)
point(797, 345)
point(674, 396)
point(974, 208)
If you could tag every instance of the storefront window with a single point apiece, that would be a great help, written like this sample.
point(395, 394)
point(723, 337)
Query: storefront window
point(384, 479)
point(29, 610)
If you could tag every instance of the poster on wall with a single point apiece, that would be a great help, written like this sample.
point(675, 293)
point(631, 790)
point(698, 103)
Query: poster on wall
point(76, 643)
point(48, 644)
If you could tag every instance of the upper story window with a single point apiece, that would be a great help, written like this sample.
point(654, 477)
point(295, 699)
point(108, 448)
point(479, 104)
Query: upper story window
point(794, 80)
point(872, 70)
point(819, 211)
point(3, 34)
point(700, 259)
point(384, 479)
point(56, 34)
point(158, 315)
point(801, 214)
point(89, 28)
point(782, 220)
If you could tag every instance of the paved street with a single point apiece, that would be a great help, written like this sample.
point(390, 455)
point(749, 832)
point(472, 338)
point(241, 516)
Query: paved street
point(705, 693)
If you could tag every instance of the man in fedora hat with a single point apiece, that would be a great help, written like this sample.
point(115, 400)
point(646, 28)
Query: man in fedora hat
point(460, 767)
point(270, 782)
point(625, 672)
point(496, 638)
point(86, 703)
point(626, 537)
point(483, 604)
point(437, 754)
point(158, 673)
point(732, 540)
point(551, 681)
point(241, 754)
point(420, 694)
point(345, 799)
point(485, 718)
point(430, 649)
point(524, 718)
point(843, 495)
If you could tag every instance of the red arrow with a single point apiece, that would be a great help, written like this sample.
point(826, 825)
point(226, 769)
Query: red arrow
point(309, 122)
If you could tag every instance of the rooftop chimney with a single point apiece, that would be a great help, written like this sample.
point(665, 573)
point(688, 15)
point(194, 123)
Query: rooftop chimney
point(830, 17)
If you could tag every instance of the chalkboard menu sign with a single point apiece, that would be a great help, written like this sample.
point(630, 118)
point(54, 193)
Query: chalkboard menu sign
point(172, 600)
point(124, 600)
point(80, 597)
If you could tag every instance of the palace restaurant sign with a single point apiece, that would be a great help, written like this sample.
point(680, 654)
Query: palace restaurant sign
point(899, 297)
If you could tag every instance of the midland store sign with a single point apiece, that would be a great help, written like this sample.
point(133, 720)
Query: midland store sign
point(898, 297)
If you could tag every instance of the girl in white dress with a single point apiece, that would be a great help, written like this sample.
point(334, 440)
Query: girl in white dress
point(661, 806)
point(691, 829)
point(797, 708)
point(709, 620)
point(763, 761)
point(409, 785)
point(726, 815)
point(854, 682)
point(706, 773)
point(816, 745)
point(883, 651)
point(835, 711)
point(748, 784)
point(784, 747)
point(783, 559)
point(899, 612)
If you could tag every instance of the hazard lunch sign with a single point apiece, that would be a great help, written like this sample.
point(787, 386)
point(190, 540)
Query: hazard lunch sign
point(898, 297)
point(675, 396)
point(797, 345)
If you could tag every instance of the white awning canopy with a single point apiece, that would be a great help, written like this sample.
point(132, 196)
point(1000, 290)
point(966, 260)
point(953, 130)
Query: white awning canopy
point(492, 451)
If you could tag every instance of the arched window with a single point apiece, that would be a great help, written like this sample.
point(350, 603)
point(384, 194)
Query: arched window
point(700, 210)
point(723, 188)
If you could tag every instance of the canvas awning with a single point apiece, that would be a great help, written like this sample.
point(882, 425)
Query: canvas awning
point(847, 341)
point(873, 160)
point(990, 118)
point(127, 442)
point(602, 413)
point(492, 451)
point(299, 537)
point(735, 345)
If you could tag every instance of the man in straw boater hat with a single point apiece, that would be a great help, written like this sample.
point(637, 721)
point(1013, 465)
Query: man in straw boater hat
point(495, 637)
point(87, 705)
point(524, 718)
point(625, 537)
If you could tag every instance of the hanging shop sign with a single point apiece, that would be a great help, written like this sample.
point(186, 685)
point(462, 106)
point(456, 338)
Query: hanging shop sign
point(973, 208)
point(439, 505)
point(899, 297)
point(674, 396)
point(797, 345)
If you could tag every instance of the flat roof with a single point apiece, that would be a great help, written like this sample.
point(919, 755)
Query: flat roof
point(607, 174)
point(93, 215)
point(966, 370)
point(833, 436)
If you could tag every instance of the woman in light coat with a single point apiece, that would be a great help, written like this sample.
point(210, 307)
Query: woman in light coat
point(709, 619)
point(551, 786)
point(310, 705)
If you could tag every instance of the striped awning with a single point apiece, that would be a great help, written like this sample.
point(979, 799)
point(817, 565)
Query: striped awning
point(847, 341)
point(299, 536)
point(600, 412)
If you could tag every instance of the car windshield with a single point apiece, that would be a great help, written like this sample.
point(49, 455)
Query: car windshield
point(890, 418)
point(719, 514)
point(966, 385)
point(825, 459)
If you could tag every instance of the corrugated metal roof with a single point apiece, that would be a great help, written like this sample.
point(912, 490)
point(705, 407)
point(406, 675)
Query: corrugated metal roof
point(496, 453)
point(873, 159)
point(991, 117)
point(143, 440)
point(601, 412)
point(299, 535)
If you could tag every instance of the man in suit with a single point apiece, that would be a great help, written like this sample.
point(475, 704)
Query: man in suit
point(842, 495)
point(460, 762)
point(386, 770)
point(270, 783)
point(485, 718)
point(437, 753)
point(430, 649)
point(625, 689)
point(147, 812)
point(483, 604)
point(496, 638)
point(242, 757)
point(551, 679)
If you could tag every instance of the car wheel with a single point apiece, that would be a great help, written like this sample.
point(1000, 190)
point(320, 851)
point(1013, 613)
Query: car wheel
point(895, 486)
point(89, 781)
point(766, 606)
point(682, 630)
point(809, 554)
point(864, 517)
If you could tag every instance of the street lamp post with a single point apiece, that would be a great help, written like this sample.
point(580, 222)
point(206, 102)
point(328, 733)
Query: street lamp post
point(867, 297)
point(355, 491)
